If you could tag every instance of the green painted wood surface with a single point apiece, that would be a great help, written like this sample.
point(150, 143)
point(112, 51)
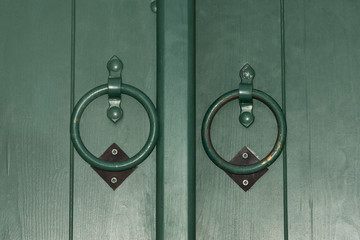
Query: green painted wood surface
point(322, 62)
point(229, 34)
point(323, 59)
point(34, 104)
point(176, 107)
point(127, 29)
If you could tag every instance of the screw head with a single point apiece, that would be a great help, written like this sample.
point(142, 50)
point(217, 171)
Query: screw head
point(245, 155)
point(245, 182)
point(114, 151)
point(114, 180)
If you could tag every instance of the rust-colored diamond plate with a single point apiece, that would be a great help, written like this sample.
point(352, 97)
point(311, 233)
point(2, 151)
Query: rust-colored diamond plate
point(243, 158)
point(114, 154)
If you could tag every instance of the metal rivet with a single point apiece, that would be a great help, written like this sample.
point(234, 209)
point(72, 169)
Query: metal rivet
point(153, 6)
point(245, 155)
point(245, 182)
point(113, 180)
point(114, 151)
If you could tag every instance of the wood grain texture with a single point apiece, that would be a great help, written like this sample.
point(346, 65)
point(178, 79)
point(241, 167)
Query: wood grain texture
point(176, 108)
point(323, 58)
point(34, 104)
point(127, 29)
point(229, 34)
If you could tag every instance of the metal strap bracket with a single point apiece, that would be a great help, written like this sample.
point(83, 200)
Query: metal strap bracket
point(247, 75)
point(115, 67)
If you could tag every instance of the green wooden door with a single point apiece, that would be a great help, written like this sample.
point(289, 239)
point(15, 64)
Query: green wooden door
point(39, 197)
point(52, 52)
point(321, 97)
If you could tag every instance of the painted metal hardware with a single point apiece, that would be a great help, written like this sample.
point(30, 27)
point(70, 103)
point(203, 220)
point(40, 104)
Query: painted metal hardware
point(153, 6)
point(243, 158)
point(114, 154)
point(115, 67)
point(266, 161)
point(91, 96)
point(247, 75)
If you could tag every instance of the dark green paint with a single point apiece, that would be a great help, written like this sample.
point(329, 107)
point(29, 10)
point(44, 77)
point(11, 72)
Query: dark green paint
point(175, 172)
point(132, 161)
point(115, 67)
point(247, 75)
point(322, 45)
point(266, 161)
point(34, 103)
point(153, 6)
point(319, 170)
point(72, 104)
point(283, 105)
point(230, 34)
point(125, 29)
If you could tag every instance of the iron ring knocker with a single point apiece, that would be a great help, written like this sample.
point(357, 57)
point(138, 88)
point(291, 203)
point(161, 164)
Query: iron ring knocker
point(266, 161)
point(137, 158)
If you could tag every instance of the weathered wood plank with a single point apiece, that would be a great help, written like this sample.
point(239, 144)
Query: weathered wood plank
point(176, 107)
point(34, 103)
point(127, 29)
point(229, 34)
point(323, 58)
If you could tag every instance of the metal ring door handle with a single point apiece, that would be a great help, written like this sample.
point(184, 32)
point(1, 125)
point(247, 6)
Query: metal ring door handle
point(266, 161)
point(137, 158)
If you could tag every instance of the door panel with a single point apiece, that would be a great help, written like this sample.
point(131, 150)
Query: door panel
point(127, 29)
point(322, 67)
point(229, 34)
point(175, 163)
point(322, 60)
point(34, 120)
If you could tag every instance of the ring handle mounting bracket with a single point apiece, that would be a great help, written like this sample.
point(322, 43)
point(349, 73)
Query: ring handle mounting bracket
point(245, 94)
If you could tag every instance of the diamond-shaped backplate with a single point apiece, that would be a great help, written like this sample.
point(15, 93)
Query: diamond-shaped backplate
point(114, 154)
point(243, 158)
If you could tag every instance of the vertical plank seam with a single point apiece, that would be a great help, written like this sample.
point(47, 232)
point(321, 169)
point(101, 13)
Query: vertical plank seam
point(283, 90)
point(191, 122)
point(72, 103)
point(308, 121)
point(159, 225)
point(8, 158)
